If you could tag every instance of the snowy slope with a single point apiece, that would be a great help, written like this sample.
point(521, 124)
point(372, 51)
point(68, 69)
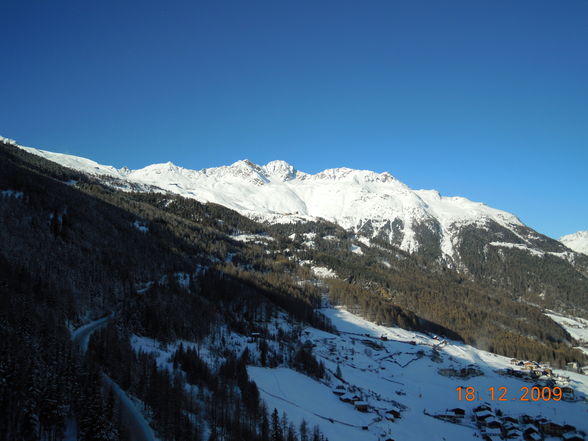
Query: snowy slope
point(576, 241)
point(577, 327)
point(362, 200)
point(402, 373)
point(82, 164)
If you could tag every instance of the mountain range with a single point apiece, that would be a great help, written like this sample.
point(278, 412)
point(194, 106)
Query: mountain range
point(369, 203)
point(481, 242)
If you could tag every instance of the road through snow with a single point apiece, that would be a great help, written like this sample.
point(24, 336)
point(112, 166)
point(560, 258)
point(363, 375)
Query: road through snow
point(139, 429)
point(81, 336)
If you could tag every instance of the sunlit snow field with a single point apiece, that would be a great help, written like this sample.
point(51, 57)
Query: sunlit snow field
point(403, 378)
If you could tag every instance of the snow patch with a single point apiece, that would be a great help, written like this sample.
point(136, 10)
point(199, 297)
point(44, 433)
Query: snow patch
point(256, 238)
point(12, 194)
point(141, 226)
point(324, 272)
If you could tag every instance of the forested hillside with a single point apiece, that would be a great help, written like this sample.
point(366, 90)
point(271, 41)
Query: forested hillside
point(72, 250)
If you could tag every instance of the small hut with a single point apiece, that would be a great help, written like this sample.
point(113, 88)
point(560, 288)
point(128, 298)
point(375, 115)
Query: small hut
point(361, 406)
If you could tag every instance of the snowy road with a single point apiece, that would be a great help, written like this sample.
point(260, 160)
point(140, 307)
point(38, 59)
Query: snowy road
point(81, 336)
point(139, 429)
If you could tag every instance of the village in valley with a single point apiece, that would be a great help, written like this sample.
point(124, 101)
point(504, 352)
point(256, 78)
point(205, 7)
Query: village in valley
point(389, 384)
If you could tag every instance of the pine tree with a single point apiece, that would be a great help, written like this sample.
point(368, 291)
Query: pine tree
point(276, 427)
point(316, 434)
point(291, 434)
point(303, 431)
point(264, 429)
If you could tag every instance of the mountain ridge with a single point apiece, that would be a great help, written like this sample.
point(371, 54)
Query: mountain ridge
point(483, 243)
point(350, 187)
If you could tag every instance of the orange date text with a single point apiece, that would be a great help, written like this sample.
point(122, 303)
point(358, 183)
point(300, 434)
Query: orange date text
point(525, 393)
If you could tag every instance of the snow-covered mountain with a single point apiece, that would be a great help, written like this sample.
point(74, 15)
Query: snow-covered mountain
point(577, 241)
point(368, 203)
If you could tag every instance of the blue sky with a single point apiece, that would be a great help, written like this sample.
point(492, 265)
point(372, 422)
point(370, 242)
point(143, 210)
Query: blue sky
point(482, 99)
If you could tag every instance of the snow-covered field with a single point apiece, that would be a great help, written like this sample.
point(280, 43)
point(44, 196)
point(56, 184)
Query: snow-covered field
point(577, 327)
point(302, 397)
point(256, 238)
point(402, 372)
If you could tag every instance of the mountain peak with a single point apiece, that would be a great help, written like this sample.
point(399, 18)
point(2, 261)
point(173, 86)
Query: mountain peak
point(576, 241)
point(242, 169)
point(162, 167)
point(280, 169)
point(346, 173)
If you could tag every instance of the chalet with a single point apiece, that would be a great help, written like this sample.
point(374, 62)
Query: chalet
point(540, 421)
point(527, 419)
point(361, 406)
point(573, 366)
point(508, 426)
point(512, 433)
point(572, 436)
point(349, 398)
point(510, 419)
point(567, 393)
point(531, 434)
point(551, 428)
point(457, 411)
point(339, 390)
point(482, 407)
point(569, 428)
point(392, 414)
point(384, 338)
point(483, 415)
point(534, 374)
point(492, 423)
point(514, 361)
